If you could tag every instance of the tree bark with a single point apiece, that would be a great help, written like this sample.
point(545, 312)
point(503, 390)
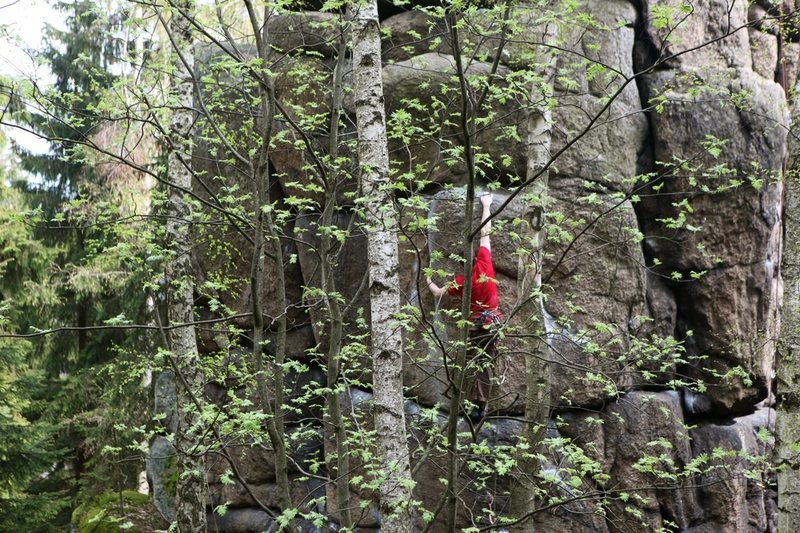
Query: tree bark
point(457, 372)
point(340, 468)
point(384, 283)
point(788, 371)
point(191, 494)
point(787, 424)
point(269, 376)
point(531, 306)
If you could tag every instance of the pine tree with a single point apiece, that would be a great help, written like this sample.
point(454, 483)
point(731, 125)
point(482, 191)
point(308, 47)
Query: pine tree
point(26, 445)
point(57, 395)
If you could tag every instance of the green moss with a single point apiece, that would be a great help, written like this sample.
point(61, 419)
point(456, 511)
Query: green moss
point(170, 478)
point(104, 514)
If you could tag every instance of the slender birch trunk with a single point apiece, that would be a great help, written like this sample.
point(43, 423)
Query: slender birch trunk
point(191, 483)
point(531, 305)
point(384, 286)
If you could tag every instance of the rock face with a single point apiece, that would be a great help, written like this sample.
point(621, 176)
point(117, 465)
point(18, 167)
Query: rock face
point(424, 80)
point(732, 307)
point(714, 33)
point(578, 271)
point(661, 271)
point(621, 437)
point(738, 501)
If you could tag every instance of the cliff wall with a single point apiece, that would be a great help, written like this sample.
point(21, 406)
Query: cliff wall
point(662, 263)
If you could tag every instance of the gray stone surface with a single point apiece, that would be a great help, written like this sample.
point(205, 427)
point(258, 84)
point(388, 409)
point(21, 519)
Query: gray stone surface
point(620, 436)
point(305, 31)
point(412, 33)
point(608, 275)
point(708, 33)
point(430, 77)
point(765, 53)
point(223, 259)
point(241, 521)
point(235, 495)
point(731, 231)
point(165, 400)
point(735, 501)
point(612, 138)
point(160, 465)
point(594, 269)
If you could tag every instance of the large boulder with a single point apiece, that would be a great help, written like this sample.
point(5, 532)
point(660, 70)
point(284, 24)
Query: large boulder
point(606, 37)
point(602, 141)
point(304, 31)
point(160, 461)
point(108, 511)
point(348, 262)
point(304, 87)
point(596, 292)
point(480, 497)
point(225, 179)
point(425, 89)
point(255, 461)
point(242, 521)
point(412, 33)
point(641, 441)
point(712, 220)
point(239, 396)
point(697, 34)
point(235, 495)
point(734, 485)
point(598, 119)
point(765, 53)
point(632, 266)
point(610, 137)
point(162, 473)
point(644, 430)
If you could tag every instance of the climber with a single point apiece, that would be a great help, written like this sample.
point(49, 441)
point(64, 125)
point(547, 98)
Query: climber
point(483, 312)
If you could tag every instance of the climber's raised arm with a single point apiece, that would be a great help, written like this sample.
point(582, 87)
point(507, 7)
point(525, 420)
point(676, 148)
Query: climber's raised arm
point(437, 291)
point(456, 286)
point(486, 202)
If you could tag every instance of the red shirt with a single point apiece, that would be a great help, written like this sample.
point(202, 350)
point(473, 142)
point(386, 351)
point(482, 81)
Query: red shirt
point(484, 284)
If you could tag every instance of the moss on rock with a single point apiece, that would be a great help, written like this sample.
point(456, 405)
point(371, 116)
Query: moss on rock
point(128, 511)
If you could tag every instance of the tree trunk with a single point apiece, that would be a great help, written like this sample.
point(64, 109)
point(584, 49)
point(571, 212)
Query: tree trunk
point(457, 372)
point(191, 483)
point(269, 376)
point(384, 285)
point(531, 305)
point(340, 464)
point(788, 386)
point(788, 364)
